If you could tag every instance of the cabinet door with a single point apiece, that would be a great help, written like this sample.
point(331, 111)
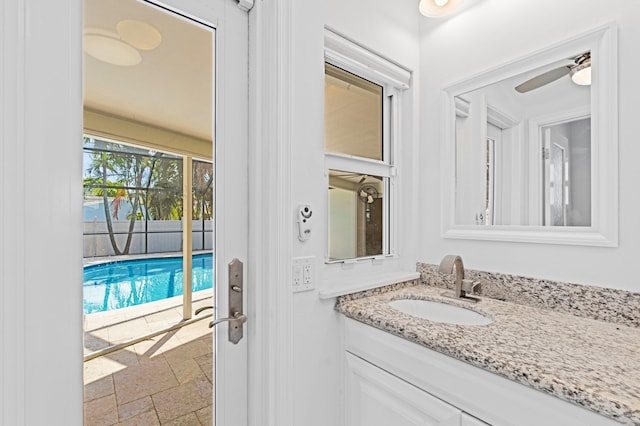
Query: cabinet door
point(468, 420)
point(377, 398)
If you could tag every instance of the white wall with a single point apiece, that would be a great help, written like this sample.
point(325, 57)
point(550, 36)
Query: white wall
point(40, 118)
point(390, 29)
point(496, 31)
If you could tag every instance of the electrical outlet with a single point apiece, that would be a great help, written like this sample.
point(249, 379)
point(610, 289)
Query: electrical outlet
point(307, 274)
point(303, 274)
point(297, 275)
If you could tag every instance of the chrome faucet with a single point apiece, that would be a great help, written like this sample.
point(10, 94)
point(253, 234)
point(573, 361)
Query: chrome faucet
point(447, 266)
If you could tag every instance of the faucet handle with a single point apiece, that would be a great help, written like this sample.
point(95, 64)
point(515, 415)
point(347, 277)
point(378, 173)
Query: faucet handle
point(471, 286)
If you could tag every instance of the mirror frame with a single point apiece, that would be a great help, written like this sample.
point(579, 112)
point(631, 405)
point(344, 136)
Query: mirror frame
point(603, 43)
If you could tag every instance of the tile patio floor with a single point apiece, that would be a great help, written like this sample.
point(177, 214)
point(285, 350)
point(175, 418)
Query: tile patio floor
point(166, 380)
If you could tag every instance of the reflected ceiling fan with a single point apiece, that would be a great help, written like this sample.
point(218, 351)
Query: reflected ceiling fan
point(579, 70)
point(367, 193)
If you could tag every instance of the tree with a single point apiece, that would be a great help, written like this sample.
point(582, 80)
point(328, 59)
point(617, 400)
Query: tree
point(150, 183)
point(202, 190)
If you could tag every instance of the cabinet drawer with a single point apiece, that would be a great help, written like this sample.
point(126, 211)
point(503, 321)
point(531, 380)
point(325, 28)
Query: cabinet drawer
point(377, 398)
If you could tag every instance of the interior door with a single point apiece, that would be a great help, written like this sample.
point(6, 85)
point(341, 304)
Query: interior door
point(231, 187)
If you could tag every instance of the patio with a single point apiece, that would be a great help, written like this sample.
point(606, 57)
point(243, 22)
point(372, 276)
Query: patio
point(167, 379)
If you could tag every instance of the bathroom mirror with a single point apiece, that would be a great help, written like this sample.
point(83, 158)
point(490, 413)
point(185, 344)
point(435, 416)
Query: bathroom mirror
point(530, 147)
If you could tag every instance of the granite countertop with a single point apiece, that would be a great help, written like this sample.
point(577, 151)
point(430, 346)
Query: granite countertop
point(589, 362)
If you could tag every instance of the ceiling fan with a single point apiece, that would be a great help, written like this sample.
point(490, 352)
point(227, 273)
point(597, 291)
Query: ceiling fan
point(579, 70)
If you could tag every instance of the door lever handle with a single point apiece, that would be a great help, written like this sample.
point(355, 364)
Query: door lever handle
point(237, 318)
point(235, 326)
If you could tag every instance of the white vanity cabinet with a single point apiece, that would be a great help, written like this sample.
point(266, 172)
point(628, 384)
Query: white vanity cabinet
point(392, 381)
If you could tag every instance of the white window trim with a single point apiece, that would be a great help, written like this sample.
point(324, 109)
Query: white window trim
point(352, 57)
point(344, 276)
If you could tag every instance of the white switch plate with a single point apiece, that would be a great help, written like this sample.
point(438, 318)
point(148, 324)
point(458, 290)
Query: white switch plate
point(303, 274)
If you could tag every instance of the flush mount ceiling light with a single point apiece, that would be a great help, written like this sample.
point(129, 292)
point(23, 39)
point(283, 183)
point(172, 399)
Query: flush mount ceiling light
point(438, 8)
point(121, 48)
point(581, 74)
point(106, 46)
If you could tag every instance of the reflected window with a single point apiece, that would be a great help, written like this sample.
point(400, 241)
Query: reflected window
point(353, 114)
point(567, 173)
point(356, 215)
point(490, 160)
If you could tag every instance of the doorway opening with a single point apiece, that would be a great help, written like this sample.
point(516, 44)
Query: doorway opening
point(148, 185)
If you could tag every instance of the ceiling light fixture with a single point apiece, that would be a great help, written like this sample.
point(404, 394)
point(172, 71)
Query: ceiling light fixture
point(438, 8)
point(581, 74)
point(106, 46)
point(121, 48)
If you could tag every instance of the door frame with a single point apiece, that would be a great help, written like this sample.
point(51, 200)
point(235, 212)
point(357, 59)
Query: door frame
point(537, 156)
point(271, 230)
point(231, 70)
point(41, 117)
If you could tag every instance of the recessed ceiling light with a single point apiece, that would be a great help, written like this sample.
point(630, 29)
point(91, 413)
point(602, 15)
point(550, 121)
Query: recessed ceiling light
point(139, 34)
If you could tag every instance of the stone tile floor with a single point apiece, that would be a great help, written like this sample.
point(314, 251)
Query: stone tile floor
point(166, 380)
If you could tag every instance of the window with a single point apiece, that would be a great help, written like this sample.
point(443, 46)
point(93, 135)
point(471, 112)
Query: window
point(361, 93)
point(358, 207)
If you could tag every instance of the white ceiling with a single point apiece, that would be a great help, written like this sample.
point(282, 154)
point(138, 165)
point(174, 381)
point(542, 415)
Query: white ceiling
point(171, 88)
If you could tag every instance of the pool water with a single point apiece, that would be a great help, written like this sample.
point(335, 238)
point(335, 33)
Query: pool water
point(116, 285)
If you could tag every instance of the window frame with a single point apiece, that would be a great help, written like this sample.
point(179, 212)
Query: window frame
point(394, 80)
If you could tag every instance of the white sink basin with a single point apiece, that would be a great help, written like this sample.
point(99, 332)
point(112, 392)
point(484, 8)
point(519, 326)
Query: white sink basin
point(439, 312)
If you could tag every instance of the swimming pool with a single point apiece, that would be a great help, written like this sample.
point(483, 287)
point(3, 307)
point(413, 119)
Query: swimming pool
point(120, 284)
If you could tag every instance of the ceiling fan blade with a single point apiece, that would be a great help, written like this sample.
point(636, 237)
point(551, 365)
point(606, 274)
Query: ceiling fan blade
point(542, 79)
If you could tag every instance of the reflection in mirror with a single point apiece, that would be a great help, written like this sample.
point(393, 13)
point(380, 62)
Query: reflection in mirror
point(353, 114)
point(356, 214)
point(523, 149)
point(530, 148)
